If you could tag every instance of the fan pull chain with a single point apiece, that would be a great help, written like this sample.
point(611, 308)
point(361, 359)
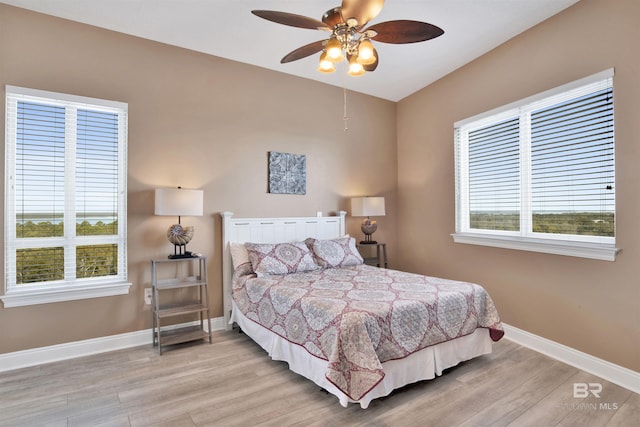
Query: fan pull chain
point(345, 118)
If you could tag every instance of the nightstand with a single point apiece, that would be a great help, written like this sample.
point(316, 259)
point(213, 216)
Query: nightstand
point(380, 258)
point(180, 300)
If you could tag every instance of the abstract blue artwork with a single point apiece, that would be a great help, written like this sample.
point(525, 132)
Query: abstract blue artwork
point(287, 173)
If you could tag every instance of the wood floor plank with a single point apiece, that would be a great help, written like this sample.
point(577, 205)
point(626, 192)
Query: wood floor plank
point(30, 411)
point(475, 395)
point(116, 422)
point(98, 410)
point(517, 402)
point(233, 382)
point(59, 423)
point(630, 410)
point(597, 411)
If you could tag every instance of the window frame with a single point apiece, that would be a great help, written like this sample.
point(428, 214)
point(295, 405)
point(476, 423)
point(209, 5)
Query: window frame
point(601, 248)
point(16, 295)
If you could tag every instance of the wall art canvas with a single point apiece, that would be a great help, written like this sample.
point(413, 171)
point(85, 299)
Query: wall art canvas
point(287, 173)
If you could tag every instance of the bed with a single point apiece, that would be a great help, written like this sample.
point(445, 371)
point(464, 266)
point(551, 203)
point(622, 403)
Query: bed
point(298, 288)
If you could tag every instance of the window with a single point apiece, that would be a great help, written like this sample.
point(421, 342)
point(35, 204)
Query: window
point(539, 174)
point(65, 197)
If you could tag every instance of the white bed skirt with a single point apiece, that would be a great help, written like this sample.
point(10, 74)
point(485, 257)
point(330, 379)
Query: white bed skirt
point(421, 365)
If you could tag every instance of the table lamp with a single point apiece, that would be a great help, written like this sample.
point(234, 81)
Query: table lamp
point(179, 202)
point(368, 206)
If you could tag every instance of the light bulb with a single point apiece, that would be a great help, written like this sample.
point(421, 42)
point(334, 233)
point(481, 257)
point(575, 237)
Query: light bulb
point(366, 54)
point(325, 65)
point(334, 50)
point(355, 68)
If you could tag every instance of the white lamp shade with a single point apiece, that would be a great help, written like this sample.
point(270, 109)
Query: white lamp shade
point(178, 202)
point(367, 206)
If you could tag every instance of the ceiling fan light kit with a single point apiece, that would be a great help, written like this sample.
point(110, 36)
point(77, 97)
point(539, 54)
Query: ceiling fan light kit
point(348, 37)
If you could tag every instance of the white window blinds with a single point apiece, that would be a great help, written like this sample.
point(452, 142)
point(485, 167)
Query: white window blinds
point(65, 198)
point(572, 166)
point(543, 167)
point(494, 176)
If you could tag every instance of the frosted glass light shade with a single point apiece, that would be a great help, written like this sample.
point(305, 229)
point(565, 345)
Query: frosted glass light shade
point(325, 65)
point(366, 53)
point(334, 50)
point(355, 68)
point(178, 202)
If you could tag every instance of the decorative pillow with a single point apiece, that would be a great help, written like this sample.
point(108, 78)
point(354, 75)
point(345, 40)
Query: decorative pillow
point(239, 254)
point(333, 253)
point(281, 258)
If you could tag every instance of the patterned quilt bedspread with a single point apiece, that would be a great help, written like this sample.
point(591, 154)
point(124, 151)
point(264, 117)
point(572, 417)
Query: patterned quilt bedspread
point(360, 316)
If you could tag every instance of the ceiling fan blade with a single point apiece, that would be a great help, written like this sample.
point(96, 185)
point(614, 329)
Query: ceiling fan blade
point(291, 19)
point(404, 31)
point(362, 10)
point(304, 51)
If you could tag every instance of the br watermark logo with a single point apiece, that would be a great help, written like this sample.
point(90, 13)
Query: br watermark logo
point(588, 390)
point(582, 390)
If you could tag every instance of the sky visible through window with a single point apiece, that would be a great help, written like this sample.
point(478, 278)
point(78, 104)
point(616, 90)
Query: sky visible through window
point(572, 160)
point(572, 157)
point(40, 154)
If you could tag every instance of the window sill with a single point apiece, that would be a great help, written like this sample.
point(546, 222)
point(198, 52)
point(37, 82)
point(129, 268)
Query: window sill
point(24, 297)
point(600, 251)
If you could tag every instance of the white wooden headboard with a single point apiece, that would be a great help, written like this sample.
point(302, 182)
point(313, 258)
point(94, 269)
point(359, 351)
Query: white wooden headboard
point(270, 230)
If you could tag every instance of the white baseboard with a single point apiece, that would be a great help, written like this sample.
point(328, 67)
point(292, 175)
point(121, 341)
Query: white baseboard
point(22, 359)
point(606, 370)
point(55, 353)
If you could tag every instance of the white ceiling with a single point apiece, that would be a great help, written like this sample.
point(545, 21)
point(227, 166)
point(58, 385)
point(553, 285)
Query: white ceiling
point(226, 28)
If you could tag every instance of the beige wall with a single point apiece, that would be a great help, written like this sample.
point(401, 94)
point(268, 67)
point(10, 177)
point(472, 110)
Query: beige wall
point(592, 306)
point(230, 115)
point(200, 122)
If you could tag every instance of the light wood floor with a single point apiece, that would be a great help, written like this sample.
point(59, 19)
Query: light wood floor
point(232, 382)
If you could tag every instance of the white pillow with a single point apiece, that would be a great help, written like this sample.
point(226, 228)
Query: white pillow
point(239, 254)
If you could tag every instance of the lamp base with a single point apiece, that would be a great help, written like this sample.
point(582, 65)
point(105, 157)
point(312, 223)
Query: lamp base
point(368, 227)
point(184, 255)
point(180, 251)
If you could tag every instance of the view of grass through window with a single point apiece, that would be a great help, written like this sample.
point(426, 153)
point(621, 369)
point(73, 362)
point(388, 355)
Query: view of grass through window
point(585, 223)
point(47, 264)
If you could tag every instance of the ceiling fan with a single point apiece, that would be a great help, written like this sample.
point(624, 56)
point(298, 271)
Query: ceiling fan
point(348, 37)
